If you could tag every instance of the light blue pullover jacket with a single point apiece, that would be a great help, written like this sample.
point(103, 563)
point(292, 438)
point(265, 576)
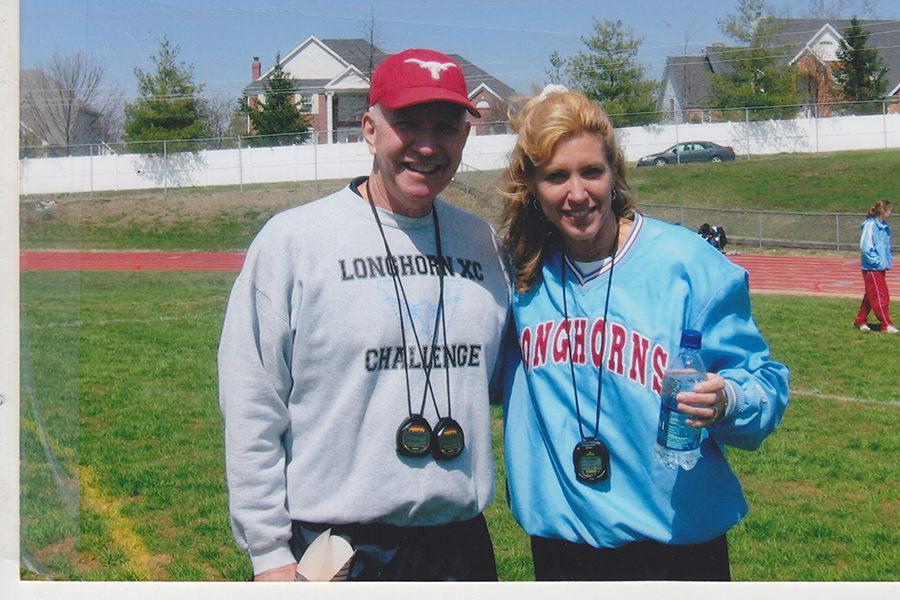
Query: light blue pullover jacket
point(875, 245)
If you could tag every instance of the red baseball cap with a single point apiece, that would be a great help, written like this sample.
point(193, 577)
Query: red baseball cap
point(416, 76)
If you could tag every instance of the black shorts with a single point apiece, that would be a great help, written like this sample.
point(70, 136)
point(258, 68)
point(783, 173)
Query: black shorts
point(459, 551)
point(559, 560)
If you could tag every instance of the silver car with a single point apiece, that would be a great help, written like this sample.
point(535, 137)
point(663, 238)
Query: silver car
point(688, 152)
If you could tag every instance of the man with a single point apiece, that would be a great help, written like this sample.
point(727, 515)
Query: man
point(357, 350)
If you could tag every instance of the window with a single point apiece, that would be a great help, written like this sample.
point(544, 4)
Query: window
point(307, 103)
point(483, 105)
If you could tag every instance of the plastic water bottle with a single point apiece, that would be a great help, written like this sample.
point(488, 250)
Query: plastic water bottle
point(677, 443)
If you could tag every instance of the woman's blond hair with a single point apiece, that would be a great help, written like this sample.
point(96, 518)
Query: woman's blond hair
point(542, 123)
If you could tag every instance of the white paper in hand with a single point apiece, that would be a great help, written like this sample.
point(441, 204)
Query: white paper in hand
point(326, 559)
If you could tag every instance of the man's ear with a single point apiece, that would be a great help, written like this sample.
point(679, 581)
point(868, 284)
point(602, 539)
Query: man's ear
point(467, 127)
point(368, 129)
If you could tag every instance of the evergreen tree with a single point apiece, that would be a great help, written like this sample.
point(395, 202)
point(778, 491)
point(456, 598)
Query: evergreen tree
point(757, 74)
point(860, 72)
point(608, 72)
point(277, 121)
point(168, 106)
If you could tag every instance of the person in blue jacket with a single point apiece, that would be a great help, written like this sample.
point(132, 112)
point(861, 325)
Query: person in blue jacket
point(876, 259)
point(602, 295)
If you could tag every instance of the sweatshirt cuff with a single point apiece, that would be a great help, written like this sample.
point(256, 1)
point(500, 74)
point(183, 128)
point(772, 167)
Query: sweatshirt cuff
point(734, 398)
point(271, 558)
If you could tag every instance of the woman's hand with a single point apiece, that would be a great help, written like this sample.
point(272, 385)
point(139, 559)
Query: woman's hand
point(284, 573)
point(706, 404)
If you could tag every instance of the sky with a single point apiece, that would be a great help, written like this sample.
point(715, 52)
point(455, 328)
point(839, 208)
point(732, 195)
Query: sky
point(511, 39)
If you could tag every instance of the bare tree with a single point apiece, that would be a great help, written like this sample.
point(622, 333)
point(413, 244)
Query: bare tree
point(741, 25)
point(686, 78)
point(223, 119)
point(869, 8)
point(369, 30)
point(826, 9)
point(65, 102)
point(557, 66)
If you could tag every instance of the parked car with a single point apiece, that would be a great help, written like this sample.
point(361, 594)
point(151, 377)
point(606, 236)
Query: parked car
point(689, 152)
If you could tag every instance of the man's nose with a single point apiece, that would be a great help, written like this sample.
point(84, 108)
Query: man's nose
point(426, 142)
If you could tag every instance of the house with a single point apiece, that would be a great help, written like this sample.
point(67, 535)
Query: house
point(53, 122)
point(331, 84)
point(810, 44)
point(686, 89)
point(489, 95)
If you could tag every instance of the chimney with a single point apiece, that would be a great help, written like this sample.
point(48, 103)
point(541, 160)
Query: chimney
point(255, 68)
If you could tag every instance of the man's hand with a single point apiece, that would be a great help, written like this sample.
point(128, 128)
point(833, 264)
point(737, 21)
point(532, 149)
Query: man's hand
point(286, 573)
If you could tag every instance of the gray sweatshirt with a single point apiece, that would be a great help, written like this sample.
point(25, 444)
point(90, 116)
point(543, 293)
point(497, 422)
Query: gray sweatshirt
point(311, 380)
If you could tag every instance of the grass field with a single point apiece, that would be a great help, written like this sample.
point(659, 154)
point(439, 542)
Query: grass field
point(122, 460)
point(122, 474)
point(226, 219)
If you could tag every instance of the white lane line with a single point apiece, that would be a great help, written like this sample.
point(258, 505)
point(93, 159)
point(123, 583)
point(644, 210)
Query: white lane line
point(813, 394)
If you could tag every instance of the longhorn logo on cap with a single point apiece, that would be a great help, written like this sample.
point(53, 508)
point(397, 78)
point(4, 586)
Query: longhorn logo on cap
point(434, 67)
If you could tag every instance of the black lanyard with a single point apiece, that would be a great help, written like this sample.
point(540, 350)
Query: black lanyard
point(438, 317)
point(602, 345)
point(590, 455)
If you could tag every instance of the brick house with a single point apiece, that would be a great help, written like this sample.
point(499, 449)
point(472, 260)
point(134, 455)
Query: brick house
point(810, 44)
point(331, 83)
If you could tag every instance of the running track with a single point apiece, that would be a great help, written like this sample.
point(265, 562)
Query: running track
point(774, 274)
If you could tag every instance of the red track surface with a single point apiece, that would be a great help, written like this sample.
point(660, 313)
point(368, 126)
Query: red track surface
point(782, 274)
point(131, 261)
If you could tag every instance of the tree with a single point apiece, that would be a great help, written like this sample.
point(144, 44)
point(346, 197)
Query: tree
point(277, 117)
point(869, 8)
point(223, 119)
point(168, 107)
point(757, 75)
point(741, 25)
point(64, 103)
point(826, 9)
point(608, 72)
point(370, 32)
point(557, 63)
point(860, 72)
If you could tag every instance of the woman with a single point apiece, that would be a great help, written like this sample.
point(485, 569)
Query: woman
point(625, 286)
point(875, 248)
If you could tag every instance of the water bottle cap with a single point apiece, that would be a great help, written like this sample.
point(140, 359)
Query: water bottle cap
point(690, 338)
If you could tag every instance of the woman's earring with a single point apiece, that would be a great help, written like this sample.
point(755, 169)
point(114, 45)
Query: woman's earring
point(532, 202)
point(614, 195)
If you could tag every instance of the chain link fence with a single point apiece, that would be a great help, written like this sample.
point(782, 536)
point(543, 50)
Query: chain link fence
point(667, 116)
point(815, 110)
point(772, 229)
point(759, 228)
point(167, 147)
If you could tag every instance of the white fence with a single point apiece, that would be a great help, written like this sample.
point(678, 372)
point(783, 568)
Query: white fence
point(309, 162)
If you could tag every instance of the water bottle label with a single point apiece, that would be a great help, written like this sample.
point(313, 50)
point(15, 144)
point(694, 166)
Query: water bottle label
point(678, 435)
point(673, 432)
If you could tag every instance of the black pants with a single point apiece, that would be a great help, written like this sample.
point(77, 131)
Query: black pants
point(460, 551)
point(559, 560)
